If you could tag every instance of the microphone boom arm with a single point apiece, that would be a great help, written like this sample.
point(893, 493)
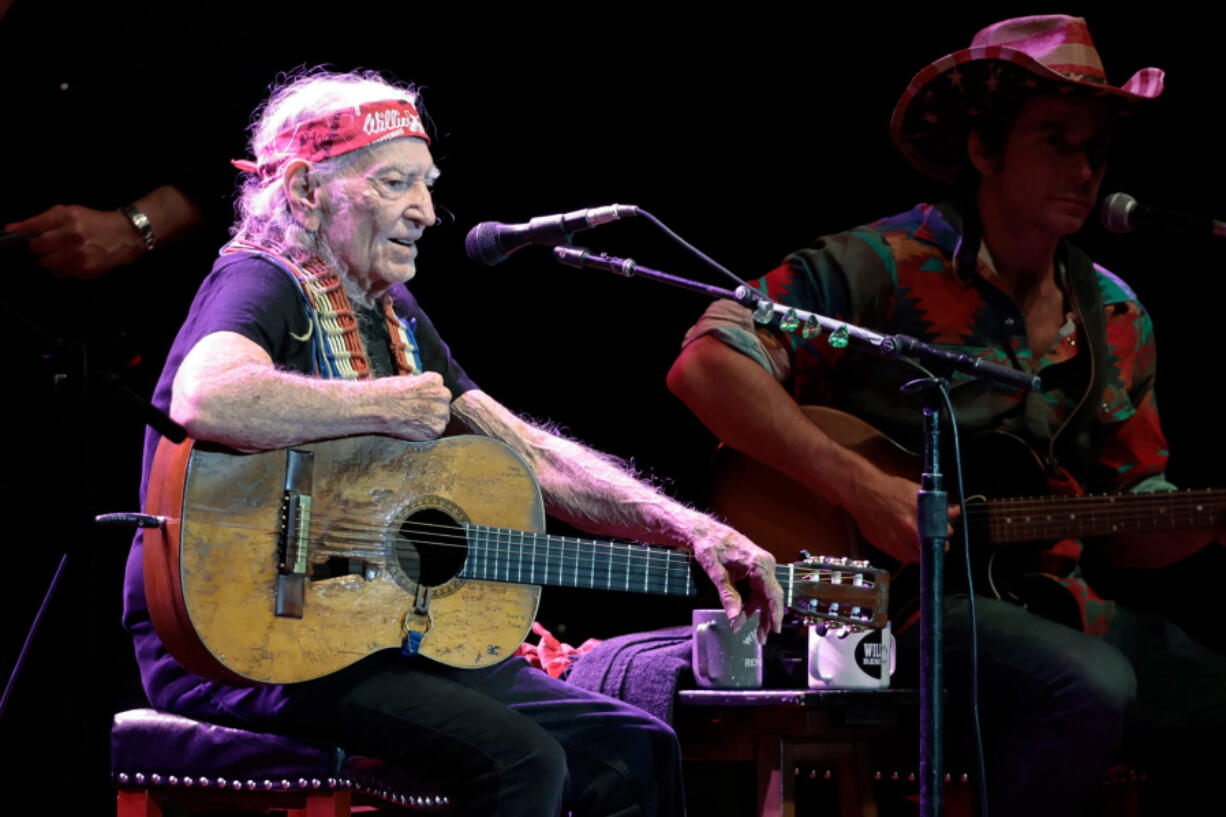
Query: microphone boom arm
point(792, 320)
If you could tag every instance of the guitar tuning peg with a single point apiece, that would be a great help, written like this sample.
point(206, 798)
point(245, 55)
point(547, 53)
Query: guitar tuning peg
point(804, 555)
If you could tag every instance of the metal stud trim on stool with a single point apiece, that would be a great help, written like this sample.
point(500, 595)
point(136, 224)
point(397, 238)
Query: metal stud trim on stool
point(300, 784)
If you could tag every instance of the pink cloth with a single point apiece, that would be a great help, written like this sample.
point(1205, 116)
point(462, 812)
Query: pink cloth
point(551, 655)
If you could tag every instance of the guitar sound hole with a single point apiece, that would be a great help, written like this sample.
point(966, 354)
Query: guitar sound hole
point(431, 548)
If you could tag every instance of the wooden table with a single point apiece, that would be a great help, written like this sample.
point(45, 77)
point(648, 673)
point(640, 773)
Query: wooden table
point(776, 729)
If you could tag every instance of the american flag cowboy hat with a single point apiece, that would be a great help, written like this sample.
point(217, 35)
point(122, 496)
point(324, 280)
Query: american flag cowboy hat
point(1049, 53)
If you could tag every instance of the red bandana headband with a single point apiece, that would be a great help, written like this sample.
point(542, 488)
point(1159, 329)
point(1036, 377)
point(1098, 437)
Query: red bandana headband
point(339, 132)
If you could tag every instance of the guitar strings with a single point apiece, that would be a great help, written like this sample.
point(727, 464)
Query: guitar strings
point(1001, 521)
point(363, 532)
point(620, 555)
point(1102, 514)
point(497, 537)
point(574, 551)
point(494, 538)
point(824, 576)
point(1210, 500)
point(796, 574)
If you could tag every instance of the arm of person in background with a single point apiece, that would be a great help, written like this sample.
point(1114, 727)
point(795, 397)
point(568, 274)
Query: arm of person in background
point(78, 242)
point(596, 493)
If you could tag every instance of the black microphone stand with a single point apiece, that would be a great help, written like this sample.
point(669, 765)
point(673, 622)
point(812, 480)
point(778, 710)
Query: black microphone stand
point(932, 523)
point(933, 499)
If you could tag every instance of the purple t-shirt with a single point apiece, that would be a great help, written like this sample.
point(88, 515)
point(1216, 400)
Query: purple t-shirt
point(252, 296)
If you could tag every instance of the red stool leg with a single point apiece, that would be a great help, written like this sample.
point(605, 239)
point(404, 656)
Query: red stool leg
point(332, 804)
point(138, 804)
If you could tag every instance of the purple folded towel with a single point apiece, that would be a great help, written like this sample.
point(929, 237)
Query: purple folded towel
point(643, 669)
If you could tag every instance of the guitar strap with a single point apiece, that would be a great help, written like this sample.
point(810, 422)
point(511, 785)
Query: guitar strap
point(1069, 599)
point(1070, 445)
point(334, 336)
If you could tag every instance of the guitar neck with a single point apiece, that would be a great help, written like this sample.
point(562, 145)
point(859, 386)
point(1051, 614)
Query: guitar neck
point(525, 557)
point(1003, 521)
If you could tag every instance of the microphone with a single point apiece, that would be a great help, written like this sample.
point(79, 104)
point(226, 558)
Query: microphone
point(1121, 213)
point(491, 242)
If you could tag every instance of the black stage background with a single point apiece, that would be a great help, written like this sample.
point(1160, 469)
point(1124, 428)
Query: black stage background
point(749, 134)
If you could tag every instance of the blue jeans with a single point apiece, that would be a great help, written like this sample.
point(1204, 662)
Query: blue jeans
point(1058, 706)
point(1053, 704)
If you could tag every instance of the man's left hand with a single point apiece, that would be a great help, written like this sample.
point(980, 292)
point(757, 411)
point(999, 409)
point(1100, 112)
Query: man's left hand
point(728, 557)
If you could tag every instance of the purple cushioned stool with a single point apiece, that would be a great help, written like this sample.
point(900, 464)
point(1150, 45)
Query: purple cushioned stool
point(158, 757)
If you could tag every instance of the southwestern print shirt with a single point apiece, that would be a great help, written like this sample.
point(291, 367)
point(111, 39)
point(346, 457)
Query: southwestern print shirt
point(896, 276)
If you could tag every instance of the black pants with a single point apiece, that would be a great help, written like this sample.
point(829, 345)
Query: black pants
point(506, 740)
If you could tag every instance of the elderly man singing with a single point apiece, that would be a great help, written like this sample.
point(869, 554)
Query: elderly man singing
point(304, 330)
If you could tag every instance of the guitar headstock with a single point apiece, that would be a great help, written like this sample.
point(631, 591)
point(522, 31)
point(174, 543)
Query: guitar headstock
point(837, 589)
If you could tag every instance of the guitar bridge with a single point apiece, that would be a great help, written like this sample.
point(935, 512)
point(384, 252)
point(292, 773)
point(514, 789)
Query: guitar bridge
point(293, 533)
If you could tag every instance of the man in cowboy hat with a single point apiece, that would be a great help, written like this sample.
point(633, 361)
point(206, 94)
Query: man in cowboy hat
point(1019, 124)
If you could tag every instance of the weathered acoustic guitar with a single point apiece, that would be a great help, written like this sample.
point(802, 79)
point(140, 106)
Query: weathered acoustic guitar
point(286, 565)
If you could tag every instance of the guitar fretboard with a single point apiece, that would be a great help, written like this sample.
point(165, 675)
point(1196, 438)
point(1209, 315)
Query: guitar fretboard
point(1023, 520)
point(525, 557)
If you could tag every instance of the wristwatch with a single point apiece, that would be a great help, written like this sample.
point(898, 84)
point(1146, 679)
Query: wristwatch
point(141, 222)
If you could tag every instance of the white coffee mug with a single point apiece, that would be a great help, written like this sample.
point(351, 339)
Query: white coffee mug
point(721, 658)
point(851, 658)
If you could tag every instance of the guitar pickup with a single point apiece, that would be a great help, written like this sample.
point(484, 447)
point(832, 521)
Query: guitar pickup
point(293, 534)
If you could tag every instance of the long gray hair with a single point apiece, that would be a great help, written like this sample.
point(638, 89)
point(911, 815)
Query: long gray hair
point(262, 211)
